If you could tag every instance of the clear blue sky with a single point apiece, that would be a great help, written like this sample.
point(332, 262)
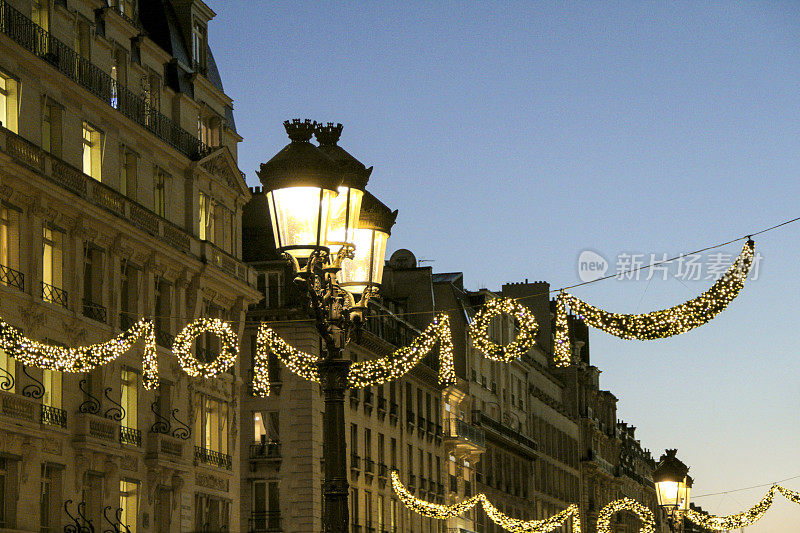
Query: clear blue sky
point(512, 137)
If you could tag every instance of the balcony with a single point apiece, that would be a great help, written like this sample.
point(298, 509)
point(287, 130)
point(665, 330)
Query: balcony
point(94, 429)
point(265, 451)
point(36, 40)
point(12, 278)
point(381, 407)
point(410, 421)
point(355, 465)
point(368, 399)
point(465, 435)
point(510, 435)
point(267, 522)
point(212, 457)
point(53, 294)
point(163, 447)
point(421, 425)
point(354, 398)
point(53, 416)
point(412, 482)
point(130, 436)
point(94, 311)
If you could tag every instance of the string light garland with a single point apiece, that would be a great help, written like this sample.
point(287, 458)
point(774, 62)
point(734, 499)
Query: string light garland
point(562, 348)
point(83, 358)
point(229, 347)
point(363, 373)
point(744, 518)
point(625, 504)
point(546, 525)
point(526, 336)
point(658, 324)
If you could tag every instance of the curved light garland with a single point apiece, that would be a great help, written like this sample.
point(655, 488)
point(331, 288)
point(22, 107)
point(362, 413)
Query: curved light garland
point(516, 525)
point(745, 518)
point(526, 336)
point(83, 358)
point(229, 347)
point(658, 324)
point(363, 373)
point(626, 504)
point(562, 348)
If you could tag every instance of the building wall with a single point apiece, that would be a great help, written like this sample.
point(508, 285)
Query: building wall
point(130, 250)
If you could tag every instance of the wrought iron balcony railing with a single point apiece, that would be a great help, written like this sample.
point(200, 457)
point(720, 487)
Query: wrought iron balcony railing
point(53, 294)
point(94, 311)
point(12, 278)
point(212, 457)
point(265, 450)
point(266, 522)
point(53, 416)
point(355, 461)
point(130, 436)
point(126, 320)
point(36, 40)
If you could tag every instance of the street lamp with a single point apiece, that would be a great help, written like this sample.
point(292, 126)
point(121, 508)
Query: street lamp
point(673, 488)
point(334, 234)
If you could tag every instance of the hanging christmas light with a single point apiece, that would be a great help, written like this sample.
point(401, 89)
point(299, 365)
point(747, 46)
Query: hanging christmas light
point(229, 348)
point(526, 336)
point(625, 504)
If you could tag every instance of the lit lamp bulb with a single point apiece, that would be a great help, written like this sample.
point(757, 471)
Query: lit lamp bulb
point(673, 485)
point(301, 183)
point(365, 270)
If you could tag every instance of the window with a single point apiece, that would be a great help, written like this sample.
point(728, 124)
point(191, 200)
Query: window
point(40, 15)
point(9, 89)
point(52, 388)
point(92, 151)
point(208, 130)
point(160, 193)
point(51, 127)
point(52, 266)
point(211, 423)
point(354, 506)
point(129, 291)
point(211, 513)
point(9, 246)
point(8, 492)
point(129, 503)
point(93, 282)
point(50, 498)
point(199, 46)
point(380, 513)
point(162, 311)
point(125, 8)
point(129, 386)
point(206, 219)
point(225, 226)
point(266, 506)
point(129, 163)
point(368, 508)
point(119, 74)
point(270, 285)
point(266, 426)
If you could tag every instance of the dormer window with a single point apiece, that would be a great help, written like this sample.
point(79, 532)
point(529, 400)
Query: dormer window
point(199, 45)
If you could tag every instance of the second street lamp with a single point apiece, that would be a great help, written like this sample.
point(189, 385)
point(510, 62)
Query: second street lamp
point(673, 488)
point(337, 244)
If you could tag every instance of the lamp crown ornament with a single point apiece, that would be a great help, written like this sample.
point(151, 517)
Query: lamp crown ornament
point(299, 130)
point(328, 134)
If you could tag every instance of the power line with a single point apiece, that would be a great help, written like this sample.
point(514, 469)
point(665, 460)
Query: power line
point(747, 488)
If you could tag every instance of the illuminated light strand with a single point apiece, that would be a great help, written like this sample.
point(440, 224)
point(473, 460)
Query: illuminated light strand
point(83, 358)
point(562, 348)
point(658, 324)
point(229, 348)
point(363, 373)
point(526, 336)
point(744, 518)
point(625, 504)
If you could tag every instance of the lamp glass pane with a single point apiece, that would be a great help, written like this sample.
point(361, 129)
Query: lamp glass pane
point(686, 493)
point(667, 492)
point(366, 267)
point(345, 210)
point(300, 217)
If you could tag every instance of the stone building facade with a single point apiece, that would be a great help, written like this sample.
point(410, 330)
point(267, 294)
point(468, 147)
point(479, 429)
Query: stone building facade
point(120, 199)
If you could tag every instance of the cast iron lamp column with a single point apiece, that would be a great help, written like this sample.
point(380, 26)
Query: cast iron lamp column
point(317, 204)
point(673, 488)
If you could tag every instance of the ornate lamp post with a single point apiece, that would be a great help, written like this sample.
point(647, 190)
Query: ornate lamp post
point(335, 234)
point(673, 488)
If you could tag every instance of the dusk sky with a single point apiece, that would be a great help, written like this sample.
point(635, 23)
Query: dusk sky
point(512, 137)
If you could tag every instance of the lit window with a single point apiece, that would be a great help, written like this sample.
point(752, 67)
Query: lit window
point(8, 102)
point(8, 372)
point(128, 173)
point(206, 218)
point(92, 150)
point(52, 261)
point(39, 14)
point(208, 130)
point(52, 388)
point(160, 193)
point(130, 398)
point(270, 285)
point(211, 424)
point(9, 242)
point(129, 503)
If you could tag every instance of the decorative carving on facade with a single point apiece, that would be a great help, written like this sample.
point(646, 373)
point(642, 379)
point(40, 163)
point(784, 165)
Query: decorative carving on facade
point(210, 481)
